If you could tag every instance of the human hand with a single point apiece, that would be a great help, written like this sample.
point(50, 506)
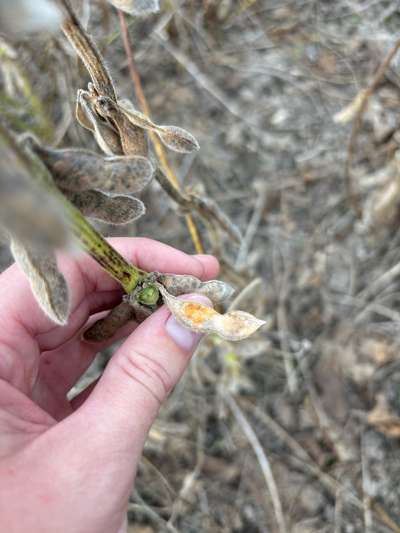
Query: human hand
point(68, 466)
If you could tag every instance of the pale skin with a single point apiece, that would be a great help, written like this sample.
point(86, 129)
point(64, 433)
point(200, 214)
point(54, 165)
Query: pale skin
point(69, 466)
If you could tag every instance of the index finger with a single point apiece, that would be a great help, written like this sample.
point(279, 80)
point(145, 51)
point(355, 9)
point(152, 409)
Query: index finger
point(150, 256)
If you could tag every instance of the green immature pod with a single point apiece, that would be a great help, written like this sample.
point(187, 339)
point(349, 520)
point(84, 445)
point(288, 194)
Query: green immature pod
point(148, 296)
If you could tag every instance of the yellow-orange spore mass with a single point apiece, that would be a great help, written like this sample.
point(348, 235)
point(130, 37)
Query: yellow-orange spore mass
point(197, 314)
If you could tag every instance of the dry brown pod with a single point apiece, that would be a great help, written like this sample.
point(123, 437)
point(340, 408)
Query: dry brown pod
point(175, 138)
point(107, 137)
point(47, 283)
point(133, 137)
point(233, 326)
point(118, 210)
point(107, 327)
point(178, 284)
point(78, 170)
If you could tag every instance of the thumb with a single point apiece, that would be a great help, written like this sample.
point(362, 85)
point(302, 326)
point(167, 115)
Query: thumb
point(87, 462)
point(140, 376)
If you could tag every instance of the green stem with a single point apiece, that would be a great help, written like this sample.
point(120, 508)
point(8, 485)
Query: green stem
point(96, 246)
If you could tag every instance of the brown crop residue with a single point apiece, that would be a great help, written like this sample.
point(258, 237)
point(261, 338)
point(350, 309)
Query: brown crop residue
point(197, 314)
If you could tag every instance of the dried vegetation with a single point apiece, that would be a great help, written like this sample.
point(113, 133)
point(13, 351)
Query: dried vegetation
point(296, 107)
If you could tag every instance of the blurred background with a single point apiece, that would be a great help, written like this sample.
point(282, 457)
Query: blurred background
point(296, 107)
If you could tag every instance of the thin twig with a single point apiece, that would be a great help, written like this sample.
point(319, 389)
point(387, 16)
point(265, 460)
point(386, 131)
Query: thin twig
point(362, 105)
point(281, 314)
point(327, 481)
point(206, 208)
point(368, 520)
point(189, 482)
point(253, 225)
point(262, 459)
point(143, 507)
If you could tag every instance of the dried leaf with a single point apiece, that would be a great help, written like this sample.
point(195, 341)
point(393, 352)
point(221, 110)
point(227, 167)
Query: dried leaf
point(107, 327)
point(382, 206)
point(177, 139)
point(176, 284)
point(383, 419)
point(116, 210)
point(350, 111)
point(47, 283)
point(137, 7)
point(233, 326)
point(79, 170)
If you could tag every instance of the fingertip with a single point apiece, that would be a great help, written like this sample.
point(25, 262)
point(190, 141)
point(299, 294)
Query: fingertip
point(210, 265)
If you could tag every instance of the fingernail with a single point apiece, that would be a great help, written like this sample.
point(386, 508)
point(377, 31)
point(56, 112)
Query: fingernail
point(183, 337)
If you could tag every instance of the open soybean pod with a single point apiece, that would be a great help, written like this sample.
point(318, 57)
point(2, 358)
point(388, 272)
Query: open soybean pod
point(233, 326)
